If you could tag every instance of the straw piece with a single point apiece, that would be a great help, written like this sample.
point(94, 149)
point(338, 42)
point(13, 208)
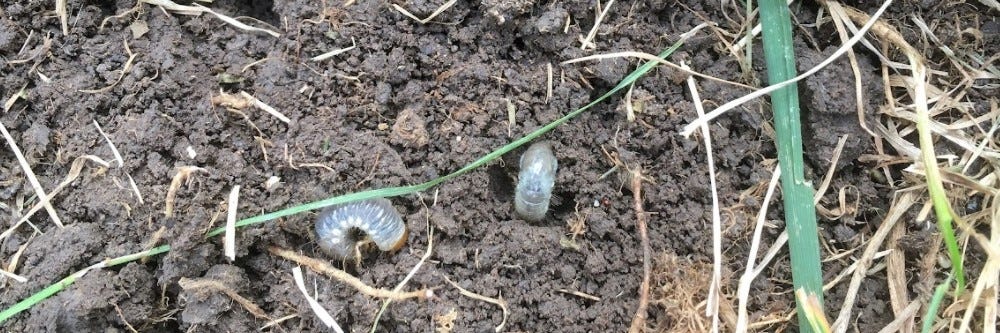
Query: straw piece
point(318, 309)
point(114, 150)
point(229, 243)
point(39, 192)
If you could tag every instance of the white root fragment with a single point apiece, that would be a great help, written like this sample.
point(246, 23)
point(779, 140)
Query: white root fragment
point(135, 188)
point(263, 106)
point(333, 53)
point(587, 42)
point(743, 291)
point(498, 301)
point(13, 98)
point(13, 276)
point(196, 9)
point(125, 69)
point(511, 117)
point(74, 172)
point(16, 258)
point(321, 313)
point(548, 77)
point(714, 293)
point(183, 174)
point(629, 108)
point(114, 150)
point(436, 12)
point(63, 15)
point(42, 197)
point(278, 321)
point(229, 243)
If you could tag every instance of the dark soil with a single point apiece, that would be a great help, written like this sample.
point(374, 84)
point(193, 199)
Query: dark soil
point(412, 102)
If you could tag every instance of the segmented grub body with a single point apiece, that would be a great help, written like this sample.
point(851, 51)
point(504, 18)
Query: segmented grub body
point(339, 226)
point(535, 182)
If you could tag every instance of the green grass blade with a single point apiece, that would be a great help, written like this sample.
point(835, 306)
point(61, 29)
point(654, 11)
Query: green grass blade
point(370, 194)
point(800, 214)
point(136, 256)
point(27, 303)
point(935, 187)
point(932, 308)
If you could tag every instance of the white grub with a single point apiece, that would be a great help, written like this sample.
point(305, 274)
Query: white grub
point(376, 218)
point(535, 181)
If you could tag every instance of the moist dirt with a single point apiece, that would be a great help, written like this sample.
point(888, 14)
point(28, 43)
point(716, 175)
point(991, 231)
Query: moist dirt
point(409, 103)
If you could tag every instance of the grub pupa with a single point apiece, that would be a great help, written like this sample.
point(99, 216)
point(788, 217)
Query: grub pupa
point(339, 228)
point(535, 181)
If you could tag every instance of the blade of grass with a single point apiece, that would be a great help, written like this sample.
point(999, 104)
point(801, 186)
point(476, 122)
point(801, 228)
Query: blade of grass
point(935, 304)
point(942, 207)
point(800, 214)
point(65, 282)
point(370, 194)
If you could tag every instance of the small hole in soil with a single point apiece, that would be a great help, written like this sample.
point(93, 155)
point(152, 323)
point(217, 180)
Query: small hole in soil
point(501, 184)
point(259, 9)
point(562, 204)
point(519, 44)
point(108, 8)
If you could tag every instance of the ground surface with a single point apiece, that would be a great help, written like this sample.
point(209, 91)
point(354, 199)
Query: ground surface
point(410, 103)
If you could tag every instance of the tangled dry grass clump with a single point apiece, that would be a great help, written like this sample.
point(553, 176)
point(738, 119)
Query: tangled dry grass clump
point(679, 292)
point(937, 149)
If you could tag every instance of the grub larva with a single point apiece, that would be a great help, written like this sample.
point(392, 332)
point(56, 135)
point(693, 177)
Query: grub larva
point(535, 181)
point(340, 227)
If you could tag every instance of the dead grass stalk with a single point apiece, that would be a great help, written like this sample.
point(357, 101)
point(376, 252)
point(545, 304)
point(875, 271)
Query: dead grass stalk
point(321, 266)
point(642, 312)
